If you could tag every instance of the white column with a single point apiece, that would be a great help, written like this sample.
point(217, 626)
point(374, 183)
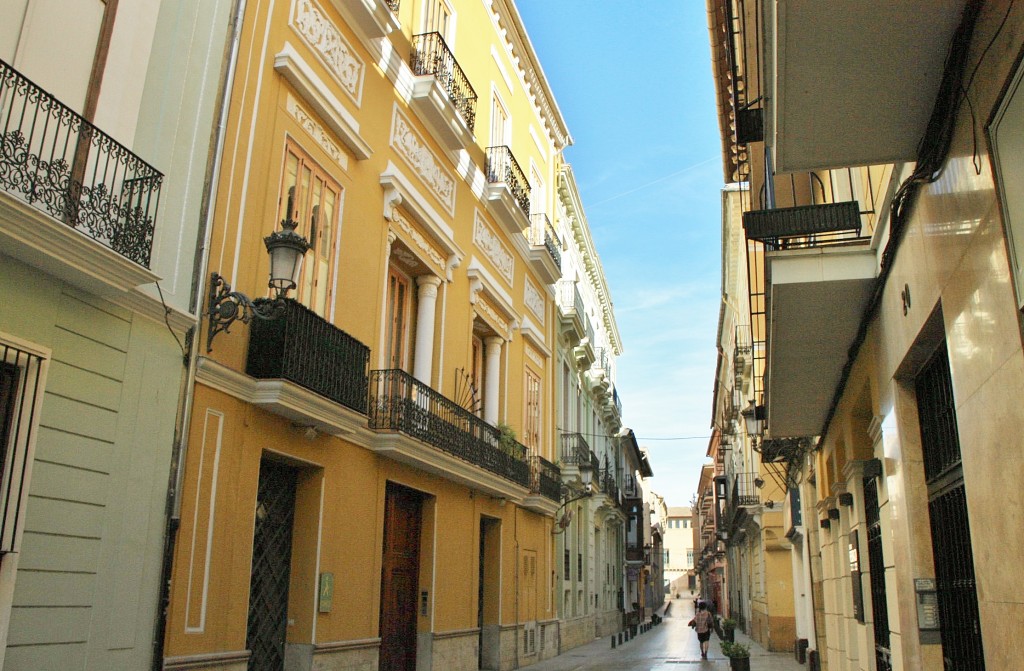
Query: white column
point(424, 353)
point(492, 373)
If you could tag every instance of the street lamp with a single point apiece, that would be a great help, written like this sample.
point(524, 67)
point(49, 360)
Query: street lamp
point(753, 416)
point(586, 477)
point(286, 249)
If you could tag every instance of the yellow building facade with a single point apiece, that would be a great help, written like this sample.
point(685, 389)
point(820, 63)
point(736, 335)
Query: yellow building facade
point(374, 465)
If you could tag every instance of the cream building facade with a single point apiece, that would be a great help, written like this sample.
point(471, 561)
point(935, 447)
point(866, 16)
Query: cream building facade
point(106, 116)
point(882, 219)
point(679, 551)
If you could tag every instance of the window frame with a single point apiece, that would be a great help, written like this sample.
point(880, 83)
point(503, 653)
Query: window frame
point(301, 211)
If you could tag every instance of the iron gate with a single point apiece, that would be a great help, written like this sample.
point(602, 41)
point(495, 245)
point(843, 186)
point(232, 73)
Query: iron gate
point(959, 620)
point(271, 554)
point(876, 569)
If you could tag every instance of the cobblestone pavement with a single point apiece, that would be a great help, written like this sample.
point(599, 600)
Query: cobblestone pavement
point(670, 646)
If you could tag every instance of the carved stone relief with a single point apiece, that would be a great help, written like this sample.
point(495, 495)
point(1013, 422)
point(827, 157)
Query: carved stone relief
point(493, 248)
point(313, 25)
point(411, 147)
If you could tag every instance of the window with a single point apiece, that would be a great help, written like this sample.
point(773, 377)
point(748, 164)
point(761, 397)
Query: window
point(398, 306)
point(440, 19)
point(499, 123)
point(689, 558)
point(1007, 134)
point(21, 380)
point(531, 423)
point(310, 197)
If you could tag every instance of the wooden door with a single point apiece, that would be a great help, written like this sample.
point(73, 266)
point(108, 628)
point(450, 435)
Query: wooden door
point(400, 578)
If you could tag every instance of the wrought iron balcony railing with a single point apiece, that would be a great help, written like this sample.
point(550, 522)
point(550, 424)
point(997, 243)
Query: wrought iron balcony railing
point(543, 233)
point(631, 488)
point(400, 402)
point(546, 478)
point(589, 329)
point(575, 450)
point(609, 486)
point(617, 400)
point(393, 5)
point(54, 160)
point(431, 56)
point(306, 349)
point(569, 299)
point(502, 167)
point(805, 225)
point(604, 361)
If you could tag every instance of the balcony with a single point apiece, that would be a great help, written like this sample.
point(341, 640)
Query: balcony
point(545, 248)
point(545, 478)
point(585, 352)
point(441, 91)
point(834, 100)
point(608, 485)
point(576, 451)
point(821, 272)
point(373, 18)
point(73, 201)
point(572, 316)
point(741, 496)
point(467, 447)
point(507, 192)
point(301, 349)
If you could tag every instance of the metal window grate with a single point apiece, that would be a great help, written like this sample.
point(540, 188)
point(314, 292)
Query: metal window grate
point(20, 386)
point(876, 568)
point(959, 618)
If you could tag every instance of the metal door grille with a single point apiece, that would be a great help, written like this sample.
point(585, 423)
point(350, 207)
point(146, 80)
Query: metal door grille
point(876, 568)
point(959, 619)
point(271, 555)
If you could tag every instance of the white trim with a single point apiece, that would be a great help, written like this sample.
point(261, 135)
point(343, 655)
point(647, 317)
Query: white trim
point(476, 270)
point(399, 190)
point(201, 628)
point(319, 548)
point(313, 90)
point(501, 69)
point(535, 336)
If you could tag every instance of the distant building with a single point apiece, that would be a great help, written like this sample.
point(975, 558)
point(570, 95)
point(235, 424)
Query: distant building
point(679, 560)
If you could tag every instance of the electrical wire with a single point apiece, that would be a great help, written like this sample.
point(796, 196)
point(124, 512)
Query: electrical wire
point(167, 321)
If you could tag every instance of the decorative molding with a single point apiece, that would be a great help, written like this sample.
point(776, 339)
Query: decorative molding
point(399, 190)
point(317, 132)
point(493, 248)
point(337, 55)
point(410, 146)
point(316, 93)
point(533, 356)
point(534, 300)
point(491, 315)
point(358, 644)
point(417, 241)
point(205, 661)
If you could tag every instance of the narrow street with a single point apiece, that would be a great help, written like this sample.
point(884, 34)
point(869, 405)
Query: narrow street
point(670, 646)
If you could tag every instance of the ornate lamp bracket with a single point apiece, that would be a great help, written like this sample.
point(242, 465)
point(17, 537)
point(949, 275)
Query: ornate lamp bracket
point(226, 307)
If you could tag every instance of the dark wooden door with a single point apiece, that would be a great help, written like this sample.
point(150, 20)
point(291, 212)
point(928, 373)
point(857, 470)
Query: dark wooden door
point(271, 567)
point(399, 578)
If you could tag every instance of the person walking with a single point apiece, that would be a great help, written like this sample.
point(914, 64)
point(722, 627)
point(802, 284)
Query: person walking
point(702, 622)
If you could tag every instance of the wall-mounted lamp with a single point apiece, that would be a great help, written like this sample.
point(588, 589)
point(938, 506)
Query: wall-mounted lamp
point(759, 482)
point(586, 477)
point(753, 416)
point(286, 249)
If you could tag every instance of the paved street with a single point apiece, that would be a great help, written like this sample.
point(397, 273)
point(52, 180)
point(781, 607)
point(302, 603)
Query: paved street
point(671, 646)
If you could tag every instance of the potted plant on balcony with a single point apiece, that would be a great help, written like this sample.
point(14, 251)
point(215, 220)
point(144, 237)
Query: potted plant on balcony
point(506, 438)
point(728, 632)
point(738, 654)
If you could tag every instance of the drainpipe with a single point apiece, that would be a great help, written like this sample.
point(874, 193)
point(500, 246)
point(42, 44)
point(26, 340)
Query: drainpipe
point(180, 447)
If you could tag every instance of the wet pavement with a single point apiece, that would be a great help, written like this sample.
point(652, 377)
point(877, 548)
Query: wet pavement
point(670, 646)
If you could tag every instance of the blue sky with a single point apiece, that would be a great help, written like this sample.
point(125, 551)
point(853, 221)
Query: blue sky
point(633, 81)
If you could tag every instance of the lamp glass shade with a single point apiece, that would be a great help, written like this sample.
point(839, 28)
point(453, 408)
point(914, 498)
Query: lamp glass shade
point(586, 474)
point(287, 249)
point(753, 416)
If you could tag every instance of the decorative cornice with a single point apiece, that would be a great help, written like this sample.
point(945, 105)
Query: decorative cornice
point(417, 241)
point(331, 47)
point(317, 132)
point(408, 144)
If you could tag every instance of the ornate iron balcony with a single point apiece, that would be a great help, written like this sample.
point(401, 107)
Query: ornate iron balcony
point(546, 478)
point(543, 233)
point(400, 402)
point(54, 160)
point(575, 450)
point(304, 348)
point(502, 167)
point(608, 485)
point(431, 56)
point(569, 299)
point(393, 6)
